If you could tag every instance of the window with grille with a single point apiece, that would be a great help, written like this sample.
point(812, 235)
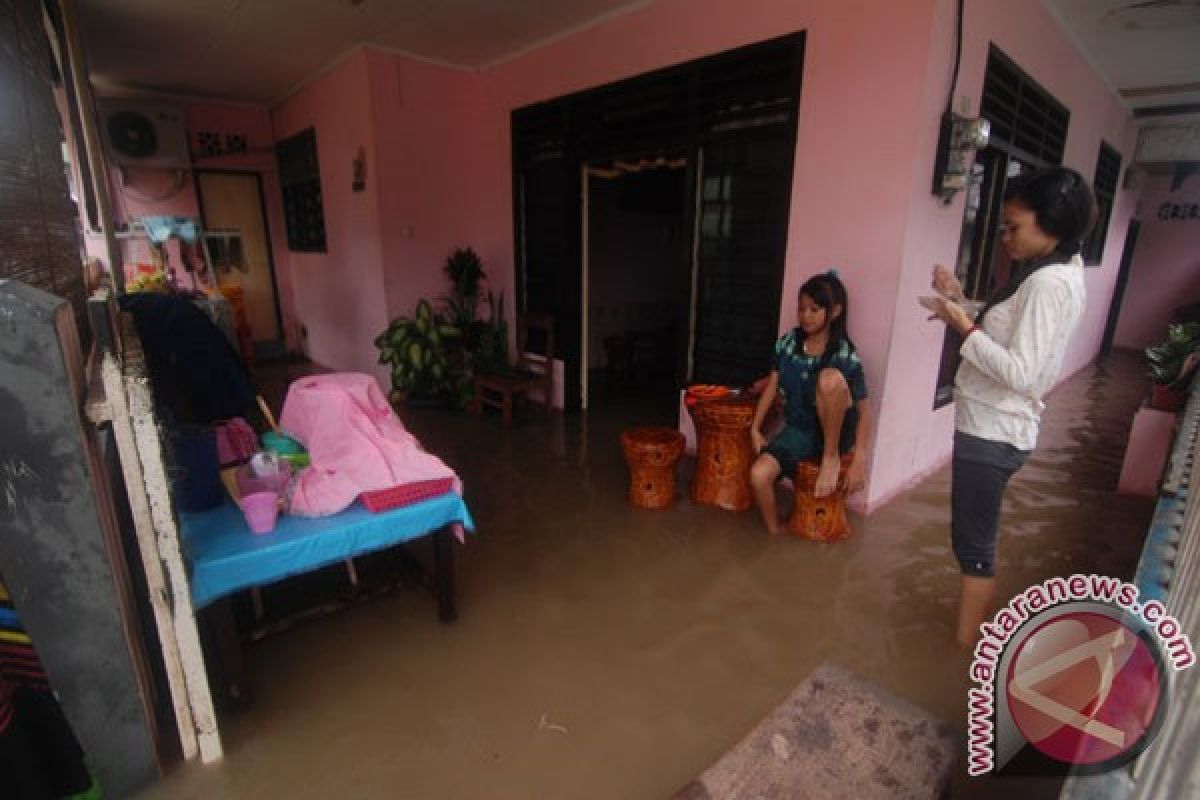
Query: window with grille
point(1026, 119)
point(1104, 186)
point(1029, 130)
point(300, 177)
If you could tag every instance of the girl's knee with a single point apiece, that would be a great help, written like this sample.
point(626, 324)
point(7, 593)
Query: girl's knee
point(764, 471)
point(832, 382)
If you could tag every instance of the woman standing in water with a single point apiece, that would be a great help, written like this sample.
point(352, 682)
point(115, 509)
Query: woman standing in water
point(1011, 356)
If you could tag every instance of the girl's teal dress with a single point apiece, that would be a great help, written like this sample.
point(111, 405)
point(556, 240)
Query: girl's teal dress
point(801, 438)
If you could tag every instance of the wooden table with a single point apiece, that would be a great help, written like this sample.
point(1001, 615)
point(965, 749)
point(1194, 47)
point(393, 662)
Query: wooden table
point(225, 557)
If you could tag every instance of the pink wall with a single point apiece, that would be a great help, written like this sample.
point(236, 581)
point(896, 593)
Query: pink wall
point(340, 295)
point(150, 191)
point(1166, 265)
point(913, 439)
point(428, 198)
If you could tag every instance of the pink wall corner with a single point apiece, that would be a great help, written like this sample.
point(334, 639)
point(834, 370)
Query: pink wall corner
point(914, 438)
point(340, 295)
point(423, 120)
point(1165, 273)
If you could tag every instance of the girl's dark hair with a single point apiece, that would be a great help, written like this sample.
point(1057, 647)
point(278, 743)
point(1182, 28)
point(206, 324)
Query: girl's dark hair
point(827, 291)
point(1061, 203)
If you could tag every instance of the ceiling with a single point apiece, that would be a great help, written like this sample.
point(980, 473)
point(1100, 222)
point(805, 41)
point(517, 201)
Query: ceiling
point(261, 50)
point(1148, 51)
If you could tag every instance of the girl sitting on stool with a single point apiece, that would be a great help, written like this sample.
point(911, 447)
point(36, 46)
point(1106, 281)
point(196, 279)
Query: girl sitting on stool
point(820, 377)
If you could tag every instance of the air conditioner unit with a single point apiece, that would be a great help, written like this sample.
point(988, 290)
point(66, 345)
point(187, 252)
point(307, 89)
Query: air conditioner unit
point(144, 135)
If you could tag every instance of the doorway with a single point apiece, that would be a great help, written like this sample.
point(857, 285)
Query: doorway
point(1118, 297)
point(637, 285)
point(234, 201)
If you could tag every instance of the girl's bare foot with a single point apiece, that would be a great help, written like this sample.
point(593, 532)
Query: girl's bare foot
point(827, 478)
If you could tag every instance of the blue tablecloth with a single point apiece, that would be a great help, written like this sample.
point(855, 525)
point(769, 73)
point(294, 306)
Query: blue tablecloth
point(225, 556)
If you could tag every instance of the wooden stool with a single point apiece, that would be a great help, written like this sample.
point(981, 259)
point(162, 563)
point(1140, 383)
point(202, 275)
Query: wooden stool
point(820, 519)
point(652, 453)
point(724, 452)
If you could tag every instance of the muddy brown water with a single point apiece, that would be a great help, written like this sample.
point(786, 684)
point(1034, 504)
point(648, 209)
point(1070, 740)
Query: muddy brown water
point(606, 652)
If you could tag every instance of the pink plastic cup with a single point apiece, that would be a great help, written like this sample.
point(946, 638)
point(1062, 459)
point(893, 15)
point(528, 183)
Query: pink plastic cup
point(261, 510)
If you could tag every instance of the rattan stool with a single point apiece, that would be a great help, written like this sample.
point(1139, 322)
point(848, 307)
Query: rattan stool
point(820, 519)
point(651, 453)
point(724, 453)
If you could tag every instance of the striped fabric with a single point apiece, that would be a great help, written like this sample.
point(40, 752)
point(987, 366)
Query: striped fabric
point(39, 756)
point(19, 665)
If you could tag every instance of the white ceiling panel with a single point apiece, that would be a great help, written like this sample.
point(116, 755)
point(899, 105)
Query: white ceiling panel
point(1147, 50)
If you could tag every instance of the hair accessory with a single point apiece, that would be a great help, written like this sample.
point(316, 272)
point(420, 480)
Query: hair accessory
point(832, 272)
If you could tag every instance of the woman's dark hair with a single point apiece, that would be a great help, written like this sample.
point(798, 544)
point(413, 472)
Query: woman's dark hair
point(1062, 206)
point(1061, 203)
point(827, 291)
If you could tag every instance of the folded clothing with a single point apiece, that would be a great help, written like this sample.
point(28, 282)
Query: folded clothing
point(355, 441)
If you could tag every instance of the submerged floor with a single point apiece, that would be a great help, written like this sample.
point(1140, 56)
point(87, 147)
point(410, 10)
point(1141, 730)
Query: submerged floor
point(604, 652)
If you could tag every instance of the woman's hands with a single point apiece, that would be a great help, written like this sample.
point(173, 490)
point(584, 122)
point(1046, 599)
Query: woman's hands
point(945, 304)
point(946, 283)
point(949, 312)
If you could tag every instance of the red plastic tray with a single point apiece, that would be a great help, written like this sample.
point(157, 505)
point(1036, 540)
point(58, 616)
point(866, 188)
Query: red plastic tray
point(405, 494)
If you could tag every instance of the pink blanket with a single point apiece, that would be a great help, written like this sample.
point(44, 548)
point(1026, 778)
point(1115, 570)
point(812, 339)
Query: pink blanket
point(355, 440)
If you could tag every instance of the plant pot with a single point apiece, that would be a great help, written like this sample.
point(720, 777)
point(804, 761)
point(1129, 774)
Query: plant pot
point(1164, 398)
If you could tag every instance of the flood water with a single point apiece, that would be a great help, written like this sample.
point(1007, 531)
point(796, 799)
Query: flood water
point(607, 652)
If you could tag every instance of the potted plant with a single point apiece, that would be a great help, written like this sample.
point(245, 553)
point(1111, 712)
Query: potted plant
point(484, 342)
point(415, 349)
point(434, 354)
point(1170, 363)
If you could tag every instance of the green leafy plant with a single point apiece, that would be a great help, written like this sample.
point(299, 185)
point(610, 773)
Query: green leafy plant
point(1165, 360)
point(415, 348)
point(435, 354)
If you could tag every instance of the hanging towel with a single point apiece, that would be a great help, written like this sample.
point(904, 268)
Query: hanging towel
point(355, 440)
point(161, 228)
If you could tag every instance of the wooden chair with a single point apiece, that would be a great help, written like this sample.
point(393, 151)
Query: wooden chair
point(536, 372)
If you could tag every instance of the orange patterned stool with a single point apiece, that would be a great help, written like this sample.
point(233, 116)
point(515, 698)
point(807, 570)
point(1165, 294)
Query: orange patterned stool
point(823, 519)
point(724, 452)
point(651, 453)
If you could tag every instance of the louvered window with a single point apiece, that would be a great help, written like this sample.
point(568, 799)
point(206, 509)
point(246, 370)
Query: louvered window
point(1026, 120)
point(1104, 184)
point(300, 177)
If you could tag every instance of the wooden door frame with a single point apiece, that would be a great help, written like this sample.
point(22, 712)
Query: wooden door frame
point(262, 210)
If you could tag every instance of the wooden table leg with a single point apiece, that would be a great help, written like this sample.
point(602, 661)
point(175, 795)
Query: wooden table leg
point(443, 573)
point(227, 648)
